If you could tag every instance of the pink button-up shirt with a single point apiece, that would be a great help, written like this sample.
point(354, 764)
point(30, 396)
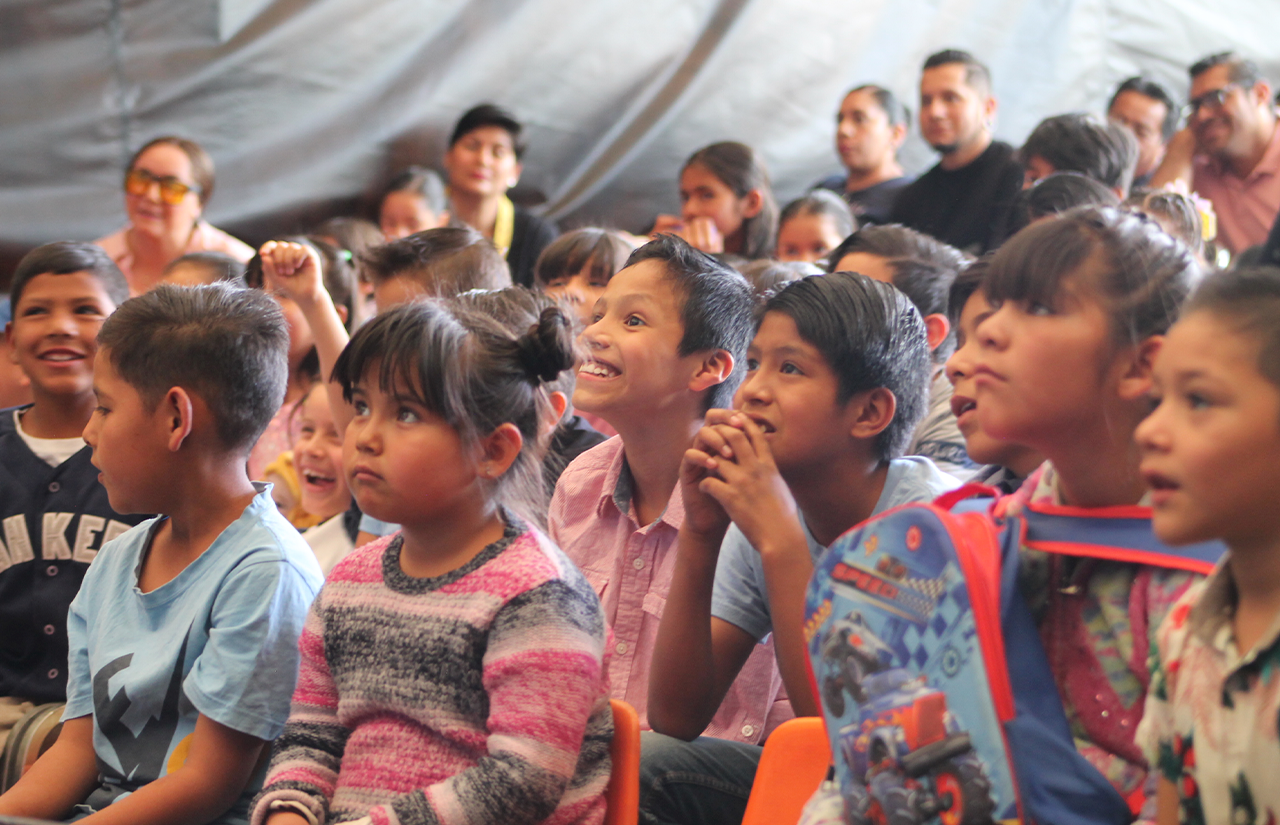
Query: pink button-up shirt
point(1246, 207)
point(594, 521)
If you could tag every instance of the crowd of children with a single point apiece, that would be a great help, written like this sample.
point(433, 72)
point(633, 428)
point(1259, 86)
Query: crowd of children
point(371, 524)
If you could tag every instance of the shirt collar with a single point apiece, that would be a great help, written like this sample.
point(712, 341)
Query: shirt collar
point(618, 489)
point(1210, 618)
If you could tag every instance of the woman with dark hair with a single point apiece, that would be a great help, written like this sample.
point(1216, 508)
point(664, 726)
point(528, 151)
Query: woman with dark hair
point(168, 183)
point(483, 162)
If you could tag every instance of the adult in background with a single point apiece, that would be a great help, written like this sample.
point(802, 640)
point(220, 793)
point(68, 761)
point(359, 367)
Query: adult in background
point(870, 128)
point(483, 162)
point(964, 200)
point(1144, 107)
point(1229, 151)
point(168, 182)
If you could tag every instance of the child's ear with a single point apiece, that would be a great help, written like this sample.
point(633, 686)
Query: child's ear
point(1135, 383)
point(499, 450)
point(873, 411)
point(178, 411)
point(342, 313)
point(442, 220)
point(752, 203)
point(936, 329)
point(8, 339)
point(898, 135)
point(559, 403)
point(714, 369)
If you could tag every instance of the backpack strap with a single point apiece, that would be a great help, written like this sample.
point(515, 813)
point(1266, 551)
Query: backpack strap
point(1113, 533)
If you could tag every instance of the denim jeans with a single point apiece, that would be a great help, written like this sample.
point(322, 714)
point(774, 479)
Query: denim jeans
point(703, 782)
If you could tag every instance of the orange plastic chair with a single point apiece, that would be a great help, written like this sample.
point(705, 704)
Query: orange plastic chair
point(623, 794)
point(794, 762)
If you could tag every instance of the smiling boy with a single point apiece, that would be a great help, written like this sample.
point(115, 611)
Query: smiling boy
point(836, 383)
point(668, 342)
point(55, 512)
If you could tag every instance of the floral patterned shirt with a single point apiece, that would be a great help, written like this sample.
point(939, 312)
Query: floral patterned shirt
point(1212, 723)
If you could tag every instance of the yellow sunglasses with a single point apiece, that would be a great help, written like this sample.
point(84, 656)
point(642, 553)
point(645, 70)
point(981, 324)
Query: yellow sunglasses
point(172, 190)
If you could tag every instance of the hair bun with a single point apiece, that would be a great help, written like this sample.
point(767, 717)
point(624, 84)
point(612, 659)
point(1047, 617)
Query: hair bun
point(546, 350)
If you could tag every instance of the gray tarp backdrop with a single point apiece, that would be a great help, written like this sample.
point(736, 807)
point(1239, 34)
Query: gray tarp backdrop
point(307, 106)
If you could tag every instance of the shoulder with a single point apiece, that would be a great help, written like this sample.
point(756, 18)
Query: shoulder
point(8, 420)
point(532, 569)
point(585, 475)
point(915, 478)
point(213, 239)
point(115, 244)
point(834, 182)
point(263, 539)
point(534, 226)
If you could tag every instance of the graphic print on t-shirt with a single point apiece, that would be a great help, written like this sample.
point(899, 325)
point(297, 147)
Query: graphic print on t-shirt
point(141, 755)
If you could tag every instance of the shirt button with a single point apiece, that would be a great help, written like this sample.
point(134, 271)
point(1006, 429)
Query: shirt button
point(49, 630)
point(54, 486)
point(638, 564)
point(622, 647)
point(748, 730)
point(51, 570)
point(53, 673)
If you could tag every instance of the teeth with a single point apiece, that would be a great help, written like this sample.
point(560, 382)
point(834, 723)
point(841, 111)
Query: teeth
point(60, 356)
point(598, 369)
point(316, 478)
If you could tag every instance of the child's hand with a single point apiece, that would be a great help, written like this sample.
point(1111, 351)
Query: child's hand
point(293, 270)
point(668, 224)
point(703, 515)
point(743, 478)
point(702, 233)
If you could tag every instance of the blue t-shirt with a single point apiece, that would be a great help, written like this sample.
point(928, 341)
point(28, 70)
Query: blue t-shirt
point(740, 596)
point(220, 639)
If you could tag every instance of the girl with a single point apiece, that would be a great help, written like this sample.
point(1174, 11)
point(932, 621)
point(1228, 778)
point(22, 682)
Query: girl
point(726, 203)
point(453, 671)
point(1063, 366)
point(317, 458)
point(577, 267)
point(412, 202)
point(304, 365)
point(812, 226)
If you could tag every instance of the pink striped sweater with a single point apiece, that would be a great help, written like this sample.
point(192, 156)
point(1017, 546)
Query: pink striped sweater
point(473, 697)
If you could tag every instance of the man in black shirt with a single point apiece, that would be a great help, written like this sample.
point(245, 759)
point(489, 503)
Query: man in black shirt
point(965, 199)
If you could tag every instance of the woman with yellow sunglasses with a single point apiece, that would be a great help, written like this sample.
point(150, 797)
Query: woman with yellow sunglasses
point(168, 182)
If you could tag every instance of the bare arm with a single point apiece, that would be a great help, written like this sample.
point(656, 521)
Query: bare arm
point(1176, 165)
point(294, 270)
point(1167, 803)
point(60, 779)
point(217, 769)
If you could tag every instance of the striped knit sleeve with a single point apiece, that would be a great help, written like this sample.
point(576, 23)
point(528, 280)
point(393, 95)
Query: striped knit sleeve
point(545, 678)
point(306, 756)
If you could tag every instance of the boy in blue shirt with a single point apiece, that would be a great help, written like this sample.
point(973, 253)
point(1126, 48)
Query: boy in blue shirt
point(54, 512)
point(837, 380)
point(184, 635)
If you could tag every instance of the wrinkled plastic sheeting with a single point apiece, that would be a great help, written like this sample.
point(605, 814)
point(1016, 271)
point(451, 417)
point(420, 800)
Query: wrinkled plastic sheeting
point(307, 106)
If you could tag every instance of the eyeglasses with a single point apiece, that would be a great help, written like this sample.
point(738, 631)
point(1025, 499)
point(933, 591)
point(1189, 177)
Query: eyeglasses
point(172, 191)
point(1213, 100)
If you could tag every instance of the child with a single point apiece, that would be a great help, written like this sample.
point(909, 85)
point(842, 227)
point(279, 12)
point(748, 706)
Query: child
point(1064, 367)
point(577, 266)
point(55, 512)
point(412, 202)
point(317, 457)
point(196, 268)
point(726, 203)
point(669, 342)
point(765, 275)
point(835, 386)
point(435, 263)
point(1008, 464)
point(1055, 194)
point(184, 635)
point(337, 280)
point(926, 281)
point(453, 671)
point(353, 237)
point(1211, 456)
point(811, 226)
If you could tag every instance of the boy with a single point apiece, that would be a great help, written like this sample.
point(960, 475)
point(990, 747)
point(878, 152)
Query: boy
point(54, 512)
point(835, 387)
point(435, 262)
point(184, 635)
point(1211, 456)
point(924, 269)
point(669, 342)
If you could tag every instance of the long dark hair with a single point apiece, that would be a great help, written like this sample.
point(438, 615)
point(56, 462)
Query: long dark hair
point(738, 167)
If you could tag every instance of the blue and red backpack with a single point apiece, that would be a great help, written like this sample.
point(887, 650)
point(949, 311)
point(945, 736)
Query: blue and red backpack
point(938, 698)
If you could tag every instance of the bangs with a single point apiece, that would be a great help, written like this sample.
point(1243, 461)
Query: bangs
point(1032, 265)
point(414, 348)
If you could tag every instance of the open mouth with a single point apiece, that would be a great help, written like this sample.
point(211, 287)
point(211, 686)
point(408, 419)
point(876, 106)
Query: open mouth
point(59, 356)
point(598, 369)
point(763, 424)
point(961, 405)
point(319, 481)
